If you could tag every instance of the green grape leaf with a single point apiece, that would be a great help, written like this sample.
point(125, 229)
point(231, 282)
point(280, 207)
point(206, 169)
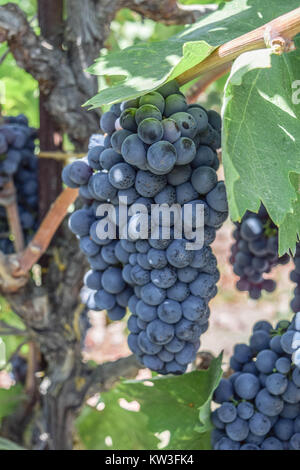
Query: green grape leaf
point(261, 140)
point(145, 66)
point(167, 413)
point(114, 427)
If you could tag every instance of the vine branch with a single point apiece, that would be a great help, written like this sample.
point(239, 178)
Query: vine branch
point(14, 268)
point(8, 199)
point(40, 242)
point(281, 29)
point(106, 375)
point(169, 11)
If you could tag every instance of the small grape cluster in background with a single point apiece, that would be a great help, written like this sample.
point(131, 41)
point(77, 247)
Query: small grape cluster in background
point(255, 252)
point(295, 277)
point(19, 163)
point(260, 401)
point(156, 149)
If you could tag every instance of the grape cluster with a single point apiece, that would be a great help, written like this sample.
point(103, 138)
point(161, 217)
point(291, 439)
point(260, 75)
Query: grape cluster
point(295, 277)
point(18, 162)
point(255, 252)
point(156, 150)
point(260, 402)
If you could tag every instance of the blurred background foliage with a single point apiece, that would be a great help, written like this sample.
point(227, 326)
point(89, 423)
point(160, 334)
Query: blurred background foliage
point(18, 90)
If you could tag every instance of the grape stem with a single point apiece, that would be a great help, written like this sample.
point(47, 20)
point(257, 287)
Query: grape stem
point(277, 34)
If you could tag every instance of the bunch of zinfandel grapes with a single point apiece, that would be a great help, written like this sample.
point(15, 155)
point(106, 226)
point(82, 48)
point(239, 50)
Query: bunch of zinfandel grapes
point(260, 402)
point(156, 150)
point(19, 163)
point(255, 252)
